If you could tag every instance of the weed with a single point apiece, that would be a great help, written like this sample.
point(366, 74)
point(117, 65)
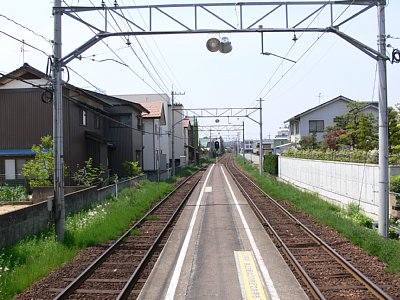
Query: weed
point(152, 217)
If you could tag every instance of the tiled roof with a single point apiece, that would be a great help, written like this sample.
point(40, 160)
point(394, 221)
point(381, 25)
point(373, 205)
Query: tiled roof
point(155, 109)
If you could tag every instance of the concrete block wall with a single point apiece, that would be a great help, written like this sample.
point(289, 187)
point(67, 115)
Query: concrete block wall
point(340, 182)
point(16, 225)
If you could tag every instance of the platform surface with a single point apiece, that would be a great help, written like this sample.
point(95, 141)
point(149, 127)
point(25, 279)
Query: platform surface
point(219, 250)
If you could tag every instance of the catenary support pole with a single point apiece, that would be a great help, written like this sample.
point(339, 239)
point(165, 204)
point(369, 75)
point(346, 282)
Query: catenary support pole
point(383, 126)
point(261, 144)
point(58, 128)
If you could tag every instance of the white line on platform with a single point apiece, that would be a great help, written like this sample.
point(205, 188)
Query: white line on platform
point(178, 267)
point(264, 271)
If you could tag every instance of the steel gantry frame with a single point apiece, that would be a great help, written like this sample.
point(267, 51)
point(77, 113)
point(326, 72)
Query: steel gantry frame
point(156, 12)
point(229, 112)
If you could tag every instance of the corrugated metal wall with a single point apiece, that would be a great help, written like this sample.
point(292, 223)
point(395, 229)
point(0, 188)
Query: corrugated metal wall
point(24, 118)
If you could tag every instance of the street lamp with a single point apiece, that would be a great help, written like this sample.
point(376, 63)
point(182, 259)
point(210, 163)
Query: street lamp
point(223, 46)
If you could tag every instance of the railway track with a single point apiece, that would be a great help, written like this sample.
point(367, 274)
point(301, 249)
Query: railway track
point(119, 272)
point(326, 274)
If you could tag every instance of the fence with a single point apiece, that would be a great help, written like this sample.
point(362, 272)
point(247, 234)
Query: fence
point(340, 182)
point(19, 180)
point(33, 219)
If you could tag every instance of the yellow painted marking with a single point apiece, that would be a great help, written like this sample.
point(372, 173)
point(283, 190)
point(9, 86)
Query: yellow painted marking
point(208, 189)
point(251, 281)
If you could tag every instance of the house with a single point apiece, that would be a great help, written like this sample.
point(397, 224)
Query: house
point(281, 140)
point(248, 146)
point(154, 159)
point(267, 146)
point(316, 119)
point(194, 142)
point(96, 126)
point(179, 147)
point(189, 140)
point(123, 131)
point(165, 134)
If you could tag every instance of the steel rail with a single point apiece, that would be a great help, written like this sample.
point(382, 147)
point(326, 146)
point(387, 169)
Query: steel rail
point(372, 287)
point(74, 285)
point(135, 276)
point(307, 280)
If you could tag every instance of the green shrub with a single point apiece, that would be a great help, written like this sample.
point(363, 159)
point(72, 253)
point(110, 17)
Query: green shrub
point(89, 174)
point(271, 164)
point(12, 193)
point(395, 184)
point(132, 168)
point(357, 156)
point(353, 212)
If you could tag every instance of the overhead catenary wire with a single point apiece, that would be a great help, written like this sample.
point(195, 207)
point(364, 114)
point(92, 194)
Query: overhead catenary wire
point(26, 28)
point(45, 88)
point(144, 52)
point(140, 60)
point(24, 42)
point(114, 52)
point(301, 56)
point(174, 78)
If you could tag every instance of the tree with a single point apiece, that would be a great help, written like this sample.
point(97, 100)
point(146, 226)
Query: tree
point(394, 130)
point(309, 142)
point(39, 171)
point(89, 174)
point(132, 168)
point(358, 130)
point(332, 138)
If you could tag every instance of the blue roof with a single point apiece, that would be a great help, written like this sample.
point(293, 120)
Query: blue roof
point(16, 152)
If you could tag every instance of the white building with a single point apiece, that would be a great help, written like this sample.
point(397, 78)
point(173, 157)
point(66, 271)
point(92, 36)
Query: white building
point(154, 159)
point(248, 146)
point(316, 119)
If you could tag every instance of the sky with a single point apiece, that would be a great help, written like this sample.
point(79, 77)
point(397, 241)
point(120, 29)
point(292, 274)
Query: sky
point(326, 65)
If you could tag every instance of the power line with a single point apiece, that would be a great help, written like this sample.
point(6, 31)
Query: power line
point(80, 104)
point(113, 51)
point(23, 42)
point(37, 34)
point(137, 56)
point(144, 52)
point(304, 53)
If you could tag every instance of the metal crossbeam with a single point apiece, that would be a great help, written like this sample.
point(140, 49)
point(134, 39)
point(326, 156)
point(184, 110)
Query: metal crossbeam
point(221, 112)
point(250, 17)
point(220, 128)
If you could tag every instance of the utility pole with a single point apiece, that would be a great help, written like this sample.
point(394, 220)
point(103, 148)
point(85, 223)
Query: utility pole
point(261, 145)
point(209, 148)
point(173, 129)
point(58, 204)
point(383, 225)
point(244, 158)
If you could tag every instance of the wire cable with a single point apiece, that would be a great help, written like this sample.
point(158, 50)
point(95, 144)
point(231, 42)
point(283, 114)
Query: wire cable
point(46, 88)
point(23, 42)
point(15, 22)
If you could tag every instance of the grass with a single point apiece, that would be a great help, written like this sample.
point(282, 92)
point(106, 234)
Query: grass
point(33, 258)
point(348, 223)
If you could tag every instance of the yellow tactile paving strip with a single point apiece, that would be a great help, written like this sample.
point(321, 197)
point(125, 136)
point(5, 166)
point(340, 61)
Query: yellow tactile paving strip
point(252, 287)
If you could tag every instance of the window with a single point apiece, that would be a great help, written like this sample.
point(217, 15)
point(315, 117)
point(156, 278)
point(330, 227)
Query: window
point(83, 117)
point(10, 169)
point(316, 126)
point(121, 121)
point(13, 168)
point(139, 123)
point(291, 128)
point(19, 164)
point(97, 122)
